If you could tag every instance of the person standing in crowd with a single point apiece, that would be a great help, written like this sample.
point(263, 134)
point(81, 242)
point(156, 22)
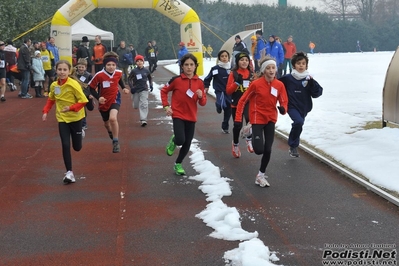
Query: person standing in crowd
point(154, 44)
point(108, 95)
point(10, 53)
point(260, 49)
point(151, 56)
point(98, 52)
point(263, 95)
point(123, 64)
point(33, 48)
point(69, 99)
point(203, 51)
point(253, 46)
point(133, 52)
point(238, 82)
point(48, 61)
point(50, 45)
point(301, 88)
point(84, 78)
point(187, 91)
point(38, 74)
point(24, 66)
point(275, 50)
point(220, 74)
point(311, 47)
point(289, 49)
point(3, 73)
point(209, 51)
point(138, 79)
point(182, 51)
point(84, 52)
point(239, 46)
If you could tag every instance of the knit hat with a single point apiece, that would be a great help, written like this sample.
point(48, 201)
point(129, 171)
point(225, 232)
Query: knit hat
point(85, 39)
point(273, 36)
point(139, 57)
point(82, 61)
point(241, 55)
point(253, 37)
point(36, 52)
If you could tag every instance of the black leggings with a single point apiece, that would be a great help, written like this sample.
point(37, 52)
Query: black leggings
point(67, 132)
point(236, 130)
point(184, 134)
point(260, 132)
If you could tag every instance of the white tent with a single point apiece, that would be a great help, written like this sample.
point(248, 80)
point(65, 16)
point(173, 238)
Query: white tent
point(84, 28)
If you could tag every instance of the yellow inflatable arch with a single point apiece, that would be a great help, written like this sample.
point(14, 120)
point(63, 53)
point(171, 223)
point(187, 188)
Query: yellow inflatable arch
point(176, 10)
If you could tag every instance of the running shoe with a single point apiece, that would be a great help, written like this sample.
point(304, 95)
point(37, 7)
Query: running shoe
point(179, 169)
point(250, 149)
point(293, 151)
point(261, 180)
point(116, 147)
point(170, 148)
point(69, 178)
point(235, 149)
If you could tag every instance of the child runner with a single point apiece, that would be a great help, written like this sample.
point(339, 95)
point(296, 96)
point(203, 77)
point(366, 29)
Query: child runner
point(301, 88)
point(138, 78)
point(84, 77)
point(3, 72)
point(69, 98)
point(220, 74)
point(108, 95)
point(263, 94)
point(238, 82)
point(187, 90)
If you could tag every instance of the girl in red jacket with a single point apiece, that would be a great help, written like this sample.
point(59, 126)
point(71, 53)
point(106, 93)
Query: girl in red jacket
point(187, 90)
point(263, 94)
point(238, 82)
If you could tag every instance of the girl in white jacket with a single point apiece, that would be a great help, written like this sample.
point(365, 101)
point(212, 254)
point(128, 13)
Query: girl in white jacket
point(38, 74)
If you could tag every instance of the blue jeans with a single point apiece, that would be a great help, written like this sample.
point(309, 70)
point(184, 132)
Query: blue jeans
point(25, 82)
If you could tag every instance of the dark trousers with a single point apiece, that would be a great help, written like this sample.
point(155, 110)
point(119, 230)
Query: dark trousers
point(67, 132)
point(296, 127)
point(98, 67)
point(236, 130)
point(152, 65)
point(184, 134)
point(262, 141)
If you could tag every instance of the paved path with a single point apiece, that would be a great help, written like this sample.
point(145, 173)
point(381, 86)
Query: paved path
point(130, 208)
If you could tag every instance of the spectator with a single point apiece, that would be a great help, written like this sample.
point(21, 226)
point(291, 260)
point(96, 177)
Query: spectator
point(311, 47)
point(133, 52)
point(74, 51)
point(84, 52)
point(38, 74)
point(209, 51)
point(275, 50)
point(123, 64)
point(203, 51)
point(358, 47)
point(48, 66)
point(138, 79)
point(10, 53)
point(98, 52)
point(182, 51)
point(239, 46)
point(253, 46)
point(3, 73)
point(33, 48)
point(151, 55)
point(24, 66)
point(259, 50)
point(50, 45)
point(289, 51)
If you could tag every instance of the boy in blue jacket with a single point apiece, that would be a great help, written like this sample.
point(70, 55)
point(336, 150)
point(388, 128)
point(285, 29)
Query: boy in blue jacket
point(301, 88)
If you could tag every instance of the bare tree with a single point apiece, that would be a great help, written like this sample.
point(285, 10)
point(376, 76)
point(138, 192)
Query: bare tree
point(366, 9)
point(340, 7)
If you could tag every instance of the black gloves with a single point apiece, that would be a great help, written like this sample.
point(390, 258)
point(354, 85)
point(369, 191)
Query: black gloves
point(239, 79)
point(281, 110)
point(237, 124)
point(151, 88)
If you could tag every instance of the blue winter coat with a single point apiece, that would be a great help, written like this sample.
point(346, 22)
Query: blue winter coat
point(300, 93)
point(182, 52)
point(38, 70)
point(220, 76)
point(275, 50)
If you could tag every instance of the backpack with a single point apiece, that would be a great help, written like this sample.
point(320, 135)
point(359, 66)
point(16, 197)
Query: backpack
point(128, 58)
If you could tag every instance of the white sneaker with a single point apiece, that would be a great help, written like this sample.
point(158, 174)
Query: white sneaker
point(250, 149)
point(69, 178)
point(261, 180)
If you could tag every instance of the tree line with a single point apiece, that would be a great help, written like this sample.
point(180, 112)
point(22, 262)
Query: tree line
point(223, 20)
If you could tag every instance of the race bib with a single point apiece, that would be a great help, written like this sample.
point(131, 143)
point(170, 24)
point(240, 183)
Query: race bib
point(190, 93)
point(273, 91)
point(139, 76)
point(215, 72)
point(245, 83)
point(57, 90)
point(2, 64)
point(152, 54)
point(106, 84)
